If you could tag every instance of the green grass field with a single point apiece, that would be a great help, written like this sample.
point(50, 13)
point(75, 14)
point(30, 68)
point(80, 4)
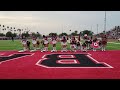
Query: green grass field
point(16, 45)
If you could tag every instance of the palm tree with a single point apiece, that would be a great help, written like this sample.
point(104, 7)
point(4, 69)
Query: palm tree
point(3, 31)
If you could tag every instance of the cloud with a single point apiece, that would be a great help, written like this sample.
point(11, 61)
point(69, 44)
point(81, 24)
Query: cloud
point(54, 21)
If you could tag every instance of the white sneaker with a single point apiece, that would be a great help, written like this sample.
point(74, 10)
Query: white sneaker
point(32, 50)
point(61, 50)
point(21, 51)
point(41, 51)
point(52, 51)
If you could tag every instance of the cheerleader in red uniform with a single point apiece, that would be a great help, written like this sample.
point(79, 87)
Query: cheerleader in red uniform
point(104, 42)
point(87, 40)
point(34, 42)
point(78, 44)
point(95, 44)
point(73, 44)
point(42, 43)
point(64, 44)
point(38, 43)
point(84, 47)
point(45, 43)
point(53, 42)
point(24, 44)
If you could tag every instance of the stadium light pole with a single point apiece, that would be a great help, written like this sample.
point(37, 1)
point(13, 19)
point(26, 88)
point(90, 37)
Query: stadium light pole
point(97, 29)
point(105, 23)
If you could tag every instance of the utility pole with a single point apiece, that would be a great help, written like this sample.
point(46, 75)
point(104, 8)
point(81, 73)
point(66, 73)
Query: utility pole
point(97, 28)
point(105, 23)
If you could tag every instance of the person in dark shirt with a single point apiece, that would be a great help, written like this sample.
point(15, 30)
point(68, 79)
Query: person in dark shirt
point(64, 44)
point(84, 47)
point(12, 38)
point(28, 45)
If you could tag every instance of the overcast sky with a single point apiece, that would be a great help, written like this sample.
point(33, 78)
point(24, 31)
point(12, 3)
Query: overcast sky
point(45, 22)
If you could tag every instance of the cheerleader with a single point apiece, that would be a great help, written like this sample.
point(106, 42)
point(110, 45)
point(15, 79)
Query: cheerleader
point(38, 43)
point(45, 43)
point(84, 47)
point(104, 42)
point(24, 44)
point(78, 44)
point(85, 37)
point(53, 42)
point(34, 43)
point(73, 44)
point(95, 44)
point(42, 43)
point(90, 43)
point(87, 40)
point(64, 44)
point(28, 44)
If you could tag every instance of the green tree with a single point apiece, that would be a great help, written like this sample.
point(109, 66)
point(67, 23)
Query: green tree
point(39, 35)
point(1, 34)
point(50, 34)
point(9, 34)
point(26, 34)
point(75, 33)
point(33, 34)
point(63, 34)
point(14, 34)
point(88, 32)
